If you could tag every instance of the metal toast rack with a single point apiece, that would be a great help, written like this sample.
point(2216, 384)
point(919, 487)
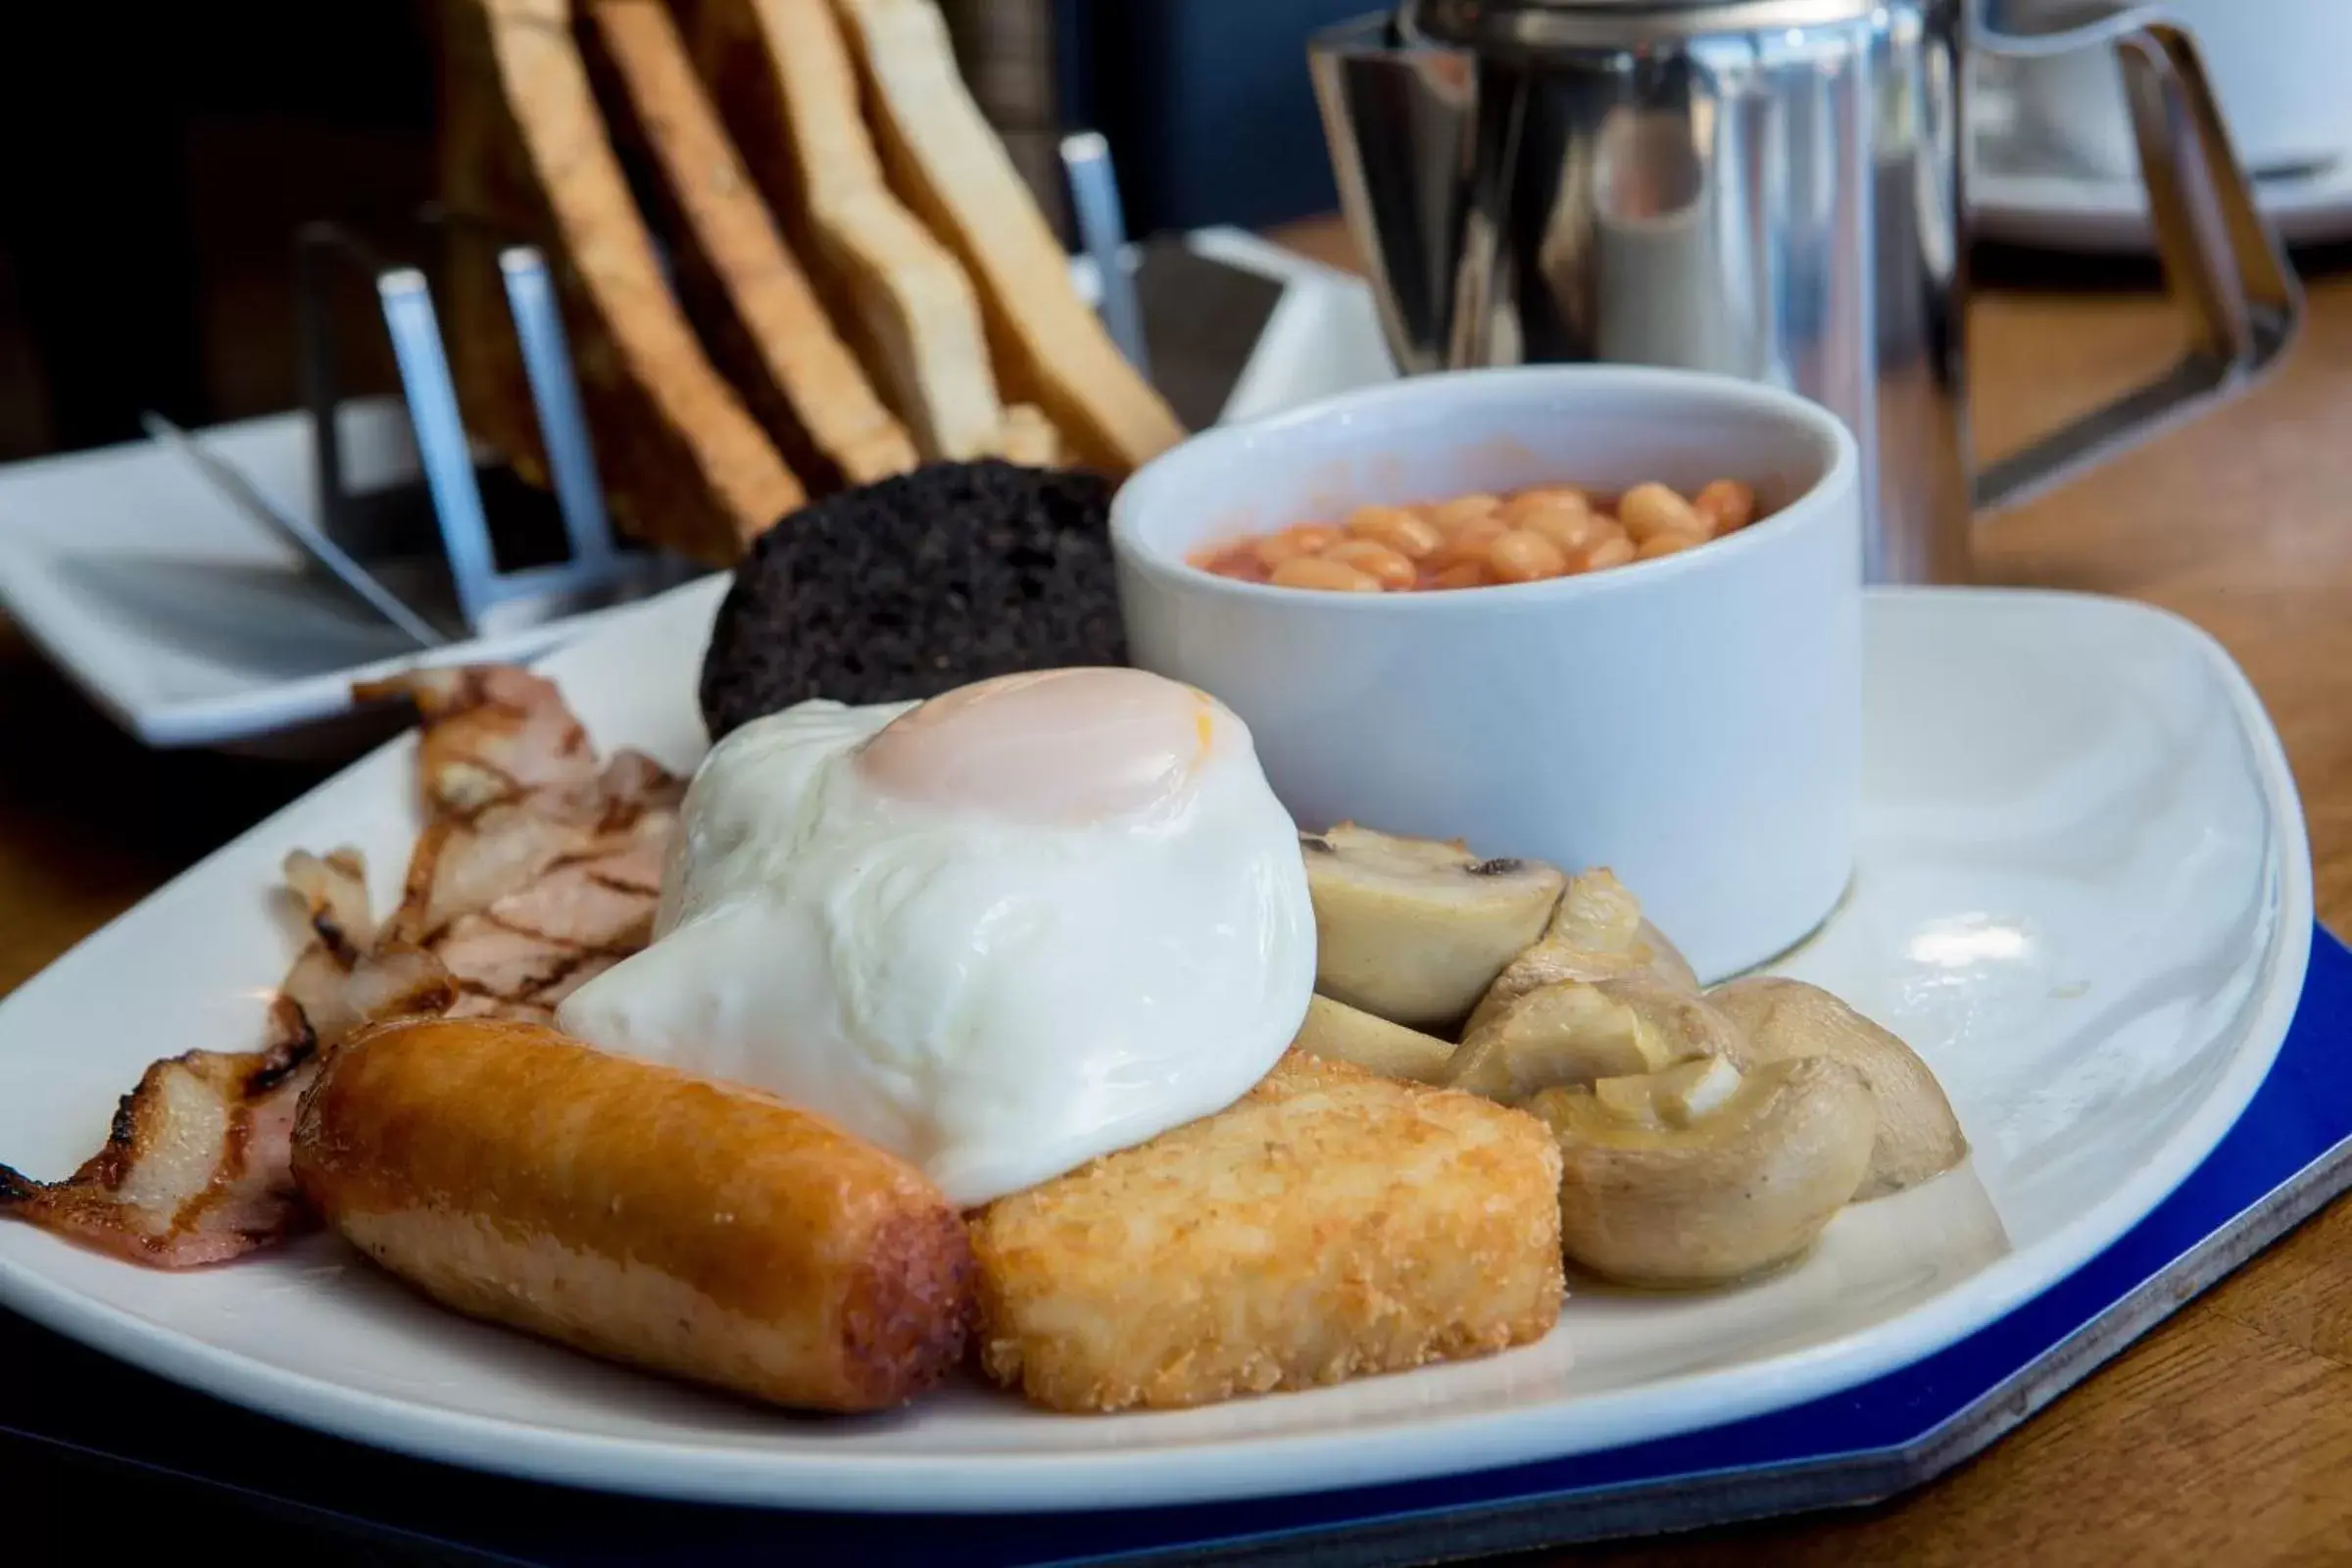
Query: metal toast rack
point(425, 556)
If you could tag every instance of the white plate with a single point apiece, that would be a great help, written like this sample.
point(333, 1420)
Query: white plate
point(2084, 893)
point(185, 621)
point(2028, 194)
point(2056, 210)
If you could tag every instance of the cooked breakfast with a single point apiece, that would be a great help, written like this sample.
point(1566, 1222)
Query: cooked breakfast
point(1702, 1173)
point(1334, 1030)
point(691, 1226)
point(906, 589)
point(1035, 920)
point(1022, 1015)
point(1918, 1136)
point(537, 866)
point(1332, 1224)
point(1415, 931)
point(1707, 1134)
point(1481, 540)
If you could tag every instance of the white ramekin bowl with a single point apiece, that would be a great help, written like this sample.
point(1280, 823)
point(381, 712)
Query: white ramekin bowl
point(1693, 722)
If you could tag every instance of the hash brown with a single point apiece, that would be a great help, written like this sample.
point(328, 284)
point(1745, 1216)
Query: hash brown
point(1329, 1224)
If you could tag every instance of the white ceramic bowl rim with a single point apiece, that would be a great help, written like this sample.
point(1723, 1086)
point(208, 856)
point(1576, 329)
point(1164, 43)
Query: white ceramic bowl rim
point(1832, 445)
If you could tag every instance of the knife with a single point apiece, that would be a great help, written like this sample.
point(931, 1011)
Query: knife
point(242, 493)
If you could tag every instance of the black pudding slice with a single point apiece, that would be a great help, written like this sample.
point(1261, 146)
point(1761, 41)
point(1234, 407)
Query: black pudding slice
point(916, 585)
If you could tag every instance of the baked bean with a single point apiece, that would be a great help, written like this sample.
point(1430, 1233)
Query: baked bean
point(1544, 498)
point(1665, 544)
point(1606, 532)
point(1520, 556)
point(1476, 539)
point(1375, 561)
point(1305, 539)
point(1571, 527)
point(1312, 572)
point(1470, 542)
point(1726, 504)
point(1614, 550)
point(1648, 509)
point(1413, 538)
point(1273, 550)
point(1461, 511)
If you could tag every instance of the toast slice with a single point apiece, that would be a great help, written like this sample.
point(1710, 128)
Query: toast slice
point(946, 163)
point(786, 90)
point(525, 158)
point(1027, 438)
point(743, 290)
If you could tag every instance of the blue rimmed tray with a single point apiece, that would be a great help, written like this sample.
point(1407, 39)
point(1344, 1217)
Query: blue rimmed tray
point(2288, 1154)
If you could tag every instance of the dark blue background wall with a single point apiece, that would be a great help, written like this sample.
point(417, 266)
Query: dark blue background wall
point(1206, 103)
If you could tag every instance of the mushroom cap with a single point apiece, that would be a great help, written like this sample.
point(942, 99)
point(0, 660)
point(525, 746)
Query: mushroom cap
point(1414, 930)
point(1918, 1138)
point(1743, 1187)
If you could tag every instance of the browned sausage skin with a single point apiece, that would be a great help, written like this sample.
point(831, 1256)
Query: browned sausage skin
point(689, 1226)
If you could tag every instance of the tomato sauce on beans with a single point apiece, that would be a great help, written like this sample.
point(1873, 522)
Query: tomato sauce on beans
point(1479, 540)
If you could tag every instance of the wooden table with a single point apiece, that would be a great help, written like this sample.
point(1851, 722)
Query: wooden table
point(2225, 1437)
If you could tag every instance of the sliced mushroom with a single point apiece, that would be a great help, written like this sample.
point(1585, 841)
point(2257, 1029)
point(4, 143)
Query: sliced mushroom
point(1412, 930)
point(1597, 917)
point(1665, 966)
point(1674, 1097)
point(1595, 933)
point(1597, 914)
point(1702, 1173)
point(1685, 1021)
point(1575, 1032)
point(1339, 1032)
point(1918, 1138)
point(1567, 1033)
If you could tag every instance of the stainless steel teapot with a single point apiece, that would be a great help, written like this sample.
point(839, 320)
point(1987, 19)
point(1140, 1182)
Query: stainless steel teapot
point(1771, 188)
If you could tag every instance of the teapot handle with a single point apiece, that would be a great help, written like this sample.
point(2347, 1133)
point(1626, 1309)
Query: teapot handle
point(2221, 259)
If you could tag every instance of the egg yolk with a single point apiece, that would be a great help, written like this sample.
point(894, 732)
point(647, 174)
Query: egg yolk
point(1065, 747)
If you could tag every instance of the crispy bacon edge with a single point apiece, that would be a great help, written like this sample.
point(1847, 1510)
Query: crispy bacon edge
point(196, 1168)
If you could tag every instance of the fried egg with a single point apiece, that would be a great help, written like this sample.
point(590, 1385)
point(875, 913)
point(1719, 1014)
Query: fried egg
point(998, 933)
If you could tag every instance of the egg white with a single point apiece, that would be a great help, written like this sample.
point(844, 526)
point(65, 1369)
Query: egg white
point(996, 1002)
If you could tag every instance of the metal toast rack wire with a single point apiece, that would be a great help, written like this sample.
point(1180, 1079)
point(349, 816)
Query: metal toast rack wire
point(441, 581)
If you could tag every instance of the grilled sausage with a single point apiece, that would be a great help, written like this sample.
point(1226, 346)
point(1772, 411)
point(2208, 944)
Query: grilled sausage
point(638, 1214)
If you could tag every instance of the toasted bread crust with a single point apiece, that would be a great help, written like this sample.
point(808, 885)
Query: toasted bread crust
point(947, 163)
point(1029, 439)
point(785, 87)
point(743, 290)
point(525, 157)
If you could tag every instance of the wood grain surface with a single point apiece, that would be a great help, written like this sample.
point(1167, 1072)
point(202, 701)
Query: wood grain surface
point(2225, 1437)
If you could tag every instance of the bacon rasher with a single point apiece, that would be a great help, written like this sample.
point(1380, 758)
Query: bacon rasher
point(536, 869)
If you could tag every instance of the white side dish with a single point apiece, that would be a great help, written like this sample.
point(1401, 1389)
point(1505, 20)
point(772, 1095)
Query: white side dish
point(1693, 723)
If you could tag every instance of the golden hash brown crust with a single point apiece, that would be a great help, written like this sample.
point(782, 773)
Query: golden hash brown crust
point(1331, 1224)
